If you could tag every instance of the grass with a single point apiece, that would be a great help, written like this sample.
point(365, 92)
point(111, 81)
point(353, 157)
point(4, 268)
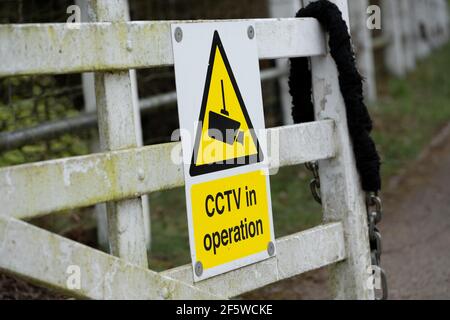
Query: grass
point(412, 112)
point(407, 115)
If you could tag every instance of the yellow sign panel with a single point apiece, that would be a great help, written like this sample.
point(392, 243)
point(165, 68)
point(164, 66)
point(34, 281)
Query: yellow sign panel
point(225, 136)
point(231, 218)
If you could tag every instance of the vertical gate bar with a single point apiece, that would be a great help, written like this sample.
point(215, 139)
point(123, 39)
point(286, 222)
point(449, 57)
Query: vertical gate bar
point(88, 84)
point(116, 110)
point(342, 197)
point(140, 143)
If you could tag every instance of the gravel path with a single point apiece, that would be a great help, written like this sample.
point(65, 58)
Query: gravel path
point(416, 230)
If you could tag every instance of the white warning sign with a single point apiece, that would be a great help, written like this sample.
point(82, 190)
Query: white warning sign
point(222, 124)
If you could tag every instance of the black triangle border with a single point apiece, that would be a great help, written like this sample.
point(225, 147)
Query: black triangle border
point(237, 162)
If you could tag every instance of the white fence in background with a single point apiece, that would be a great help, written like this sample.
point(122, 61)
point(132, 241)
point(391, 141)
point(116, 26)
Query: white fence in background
point(410, 31)
point(362, 40)
point(124, 171)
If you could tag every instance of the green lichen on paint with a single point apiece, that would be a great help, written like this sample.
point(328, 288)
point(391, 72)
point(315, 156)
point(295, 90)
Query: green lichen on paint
point(83, 49)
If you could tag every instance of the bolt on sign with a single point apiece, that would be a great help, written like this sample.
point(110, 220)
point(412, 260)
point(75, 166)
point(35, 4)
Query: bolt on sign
point(222, 132)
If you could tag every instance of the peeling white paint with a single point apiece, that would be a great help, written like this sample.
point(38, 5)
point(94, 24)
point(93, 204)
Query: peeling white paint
point(79, 167)
point(95, 277)
point(76, 167)
point(4, 237)
point(66, 254)
point(53, 48)
point(108, 280)
point(7, 187)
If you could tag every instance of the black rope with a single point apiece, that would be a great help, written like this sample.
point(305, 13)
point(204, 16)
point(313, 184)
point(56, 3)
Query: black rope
point(350, 82)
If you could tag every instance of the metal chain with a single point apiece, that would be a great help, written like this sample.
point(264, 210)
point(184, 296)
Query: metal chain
point(374, 216)
point(314, 184)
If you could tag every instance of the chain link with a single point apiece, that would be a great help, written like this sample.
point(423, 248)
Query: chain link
point(374, 216)
point(314, 184)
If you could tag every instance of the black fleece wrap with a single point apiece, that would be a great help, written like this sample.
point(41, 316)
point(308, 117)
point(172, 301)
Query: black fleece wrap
point(350, 82)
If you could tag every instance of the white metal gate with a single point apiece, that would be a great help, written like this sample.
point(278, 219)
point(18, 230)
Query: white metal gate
point(124, 172)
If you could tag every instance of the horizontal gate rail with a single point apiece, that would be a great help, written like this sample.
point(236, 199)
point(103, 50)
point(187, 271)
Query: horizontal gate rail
point(297, 253)
point(44, 257)
point(55, 48)
point(70, 183)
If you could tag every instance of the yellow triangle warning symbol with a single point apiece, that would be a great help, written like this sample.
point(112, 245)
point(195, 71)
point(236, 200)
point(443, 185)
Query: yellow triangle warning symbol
point(225, 136)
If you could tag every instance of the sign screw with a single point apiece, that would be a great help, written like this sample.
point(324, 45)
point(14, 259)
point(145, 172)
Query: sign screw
point(178, 34)
point(271, 249)
point(165, 293)
point(198, 269)
point(141, 175)
point(251, 32)
point(129, 46)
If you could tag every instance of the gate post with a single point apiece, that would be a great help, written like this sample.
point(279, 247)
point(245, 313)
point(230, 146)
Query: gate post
point(342, 197)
